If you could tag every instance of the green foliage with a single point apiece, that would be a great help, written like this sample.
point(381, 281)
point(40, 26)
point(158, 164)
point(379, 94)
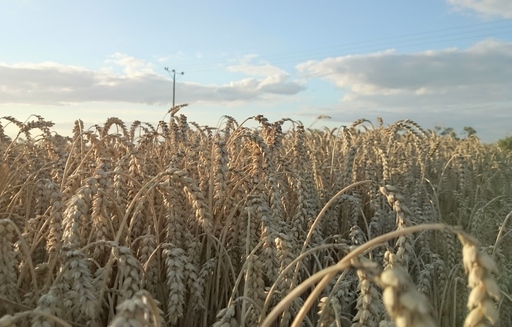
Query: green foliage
point(450, 131)
point(446, 131)
point(505, 143)
point(470, 131)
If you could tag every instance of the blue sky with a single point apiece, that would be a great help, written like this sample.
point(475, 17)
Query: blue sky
point(445, 63)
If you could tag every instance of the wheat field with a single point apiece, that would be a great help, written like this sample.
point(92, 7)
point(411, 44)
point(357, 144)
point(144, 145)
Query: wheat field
point(176, 224)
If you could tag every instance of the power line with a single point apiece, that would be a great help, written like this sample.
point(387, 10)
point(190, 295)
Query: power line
point(405, 37)
point(411, 39)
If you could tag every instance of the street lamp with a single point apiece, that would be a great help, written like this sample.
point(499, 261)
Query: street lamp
point(173, 75)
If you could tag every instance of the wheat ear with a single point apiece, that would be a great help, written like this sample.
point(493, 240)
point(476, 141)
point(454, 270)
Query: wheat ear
point(479, 266)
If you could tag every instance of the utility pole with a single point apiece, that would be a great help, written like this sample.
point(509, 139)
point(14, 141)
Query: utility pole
point(173, 75)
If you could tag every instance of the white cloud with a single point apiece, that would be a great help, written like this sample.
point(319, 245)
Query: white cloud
point(51, 83)
point(275, 80)
point(257, 70)
point(471, 85)
point(499, 8)
point(133, 67)
point(487, 64)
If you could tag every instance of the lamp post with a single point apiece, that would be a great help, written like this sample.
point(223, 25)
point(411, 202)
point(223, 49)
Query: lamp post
point(173, 75)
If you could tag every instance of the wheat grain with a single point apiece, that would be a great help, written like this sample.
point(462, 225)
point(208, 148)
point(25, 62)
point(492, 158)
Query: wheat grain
point(129, 273)
point(8, 272)
point(404, 304)
point(404, 243)
point(225, 318)
point(329, 312)
point(80, 299)
point(367, 306)
point(254, 286)
point(175, 266)
point(479, 266)
point(50, 304)
point(137, 311)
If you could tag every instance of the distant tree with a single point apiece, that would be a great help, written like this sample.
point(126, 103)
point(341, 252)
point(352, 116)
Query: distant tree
point(470, 131)
point(446, 131)
point(505, 143)
point(450, 131)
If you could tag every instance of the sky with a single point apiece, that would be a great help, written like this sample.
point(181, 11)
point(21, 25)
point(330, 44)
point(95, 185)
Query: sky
point(441, 63)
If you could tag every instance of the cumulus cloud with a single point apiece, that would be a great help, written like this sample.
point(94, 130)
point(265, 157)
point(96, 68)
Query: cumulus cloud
point(470, 85)
point(486, 67)
point(133, 67)
point(131, 80)
point(274, 80)
point(257, 70)
point(487, 62)
point(497, 8)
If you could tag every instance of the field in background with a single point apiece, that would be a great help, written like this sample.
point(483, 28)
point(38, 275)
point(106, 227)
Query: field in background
point(183, 225)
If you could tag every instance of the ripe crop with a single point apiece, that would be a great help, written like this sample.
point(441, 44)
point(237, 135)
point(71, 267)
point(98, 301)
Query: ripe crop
point(186, 225)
